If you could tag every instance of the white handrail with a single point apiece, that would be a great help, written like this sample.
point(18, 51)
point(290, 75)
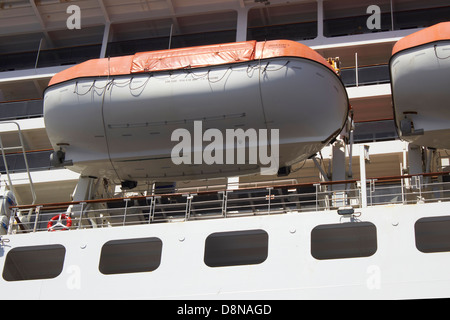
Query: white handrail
point(21, 146)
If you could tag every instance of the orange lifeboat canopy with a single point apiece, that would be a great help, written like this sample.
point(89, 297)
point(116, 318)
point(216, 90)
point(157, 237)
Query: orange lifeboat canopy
point(187, 58)
point(438, 32)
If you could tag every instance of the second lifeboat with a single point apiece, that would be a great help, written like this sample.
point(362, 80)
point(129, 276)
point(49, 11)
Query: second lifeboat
point(420, 80)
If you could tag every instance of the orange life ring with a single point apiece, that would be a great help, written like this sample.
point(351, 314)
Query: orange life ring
point(58, 218)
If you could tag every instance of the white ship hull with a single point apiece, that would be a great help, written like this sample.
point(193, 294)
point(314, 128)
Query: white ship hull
point(122, 127)
point(421, 95)
point(396, 270)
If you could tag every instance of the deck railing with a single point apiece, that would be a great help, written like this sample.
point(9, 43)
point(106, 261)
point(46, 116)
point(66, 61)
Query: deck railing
point(277, 199)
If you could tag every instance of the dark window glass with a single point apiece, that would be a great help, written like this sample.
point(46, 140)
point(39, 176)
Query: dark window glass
point(433, 234)
point(296, 21)
point(236, 248)
point(344, 240)
point(35, 262)
point(130, 255)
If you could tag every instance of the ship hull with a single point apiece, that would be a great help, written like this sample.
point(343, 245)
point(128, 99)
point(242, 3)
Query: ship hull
point(289, 271)
point(123, 127)
point(420, 88)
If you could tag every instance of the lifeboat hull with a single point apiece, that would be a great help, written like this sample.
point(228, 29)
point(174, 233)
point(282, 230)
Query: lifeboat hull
point(123, 127)
point(420, 80)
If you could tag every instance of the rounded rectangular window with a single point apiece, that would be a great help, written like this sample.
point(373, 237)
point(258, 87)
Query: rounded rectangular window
point(34, 262)
point(344, 240)
point(223, 249)
point(433, 234)
point(130, 256)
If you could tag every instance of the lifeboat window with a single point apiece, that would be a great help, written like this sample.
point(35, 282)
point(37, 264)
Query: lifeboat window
point(223, 249)
point(130, 255)
point(344, 240)
point(34, 262)
point(433, 234)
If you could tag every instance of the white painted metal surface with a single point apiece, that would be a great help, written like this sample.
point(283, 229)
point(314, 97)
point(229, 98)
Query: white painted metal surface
point(397, 270)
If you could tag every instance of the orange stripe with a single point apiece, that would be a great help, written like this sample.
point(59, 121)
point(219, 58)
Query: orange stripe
point(193, 57)
point(438, 32)
point(94, 68)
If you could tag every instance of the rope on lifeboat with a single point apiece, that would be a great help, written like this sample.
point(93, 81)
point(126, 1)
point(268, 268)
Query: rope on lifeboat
point(114, 82)
point(436, 53)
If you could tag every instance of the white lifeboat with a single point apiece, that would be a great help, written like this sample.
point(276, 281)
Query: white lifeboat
point(420, 81)
point(117, 117)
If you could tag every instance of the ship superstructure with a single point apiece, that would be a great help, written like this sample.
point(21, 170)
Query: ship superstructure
point(369, 203)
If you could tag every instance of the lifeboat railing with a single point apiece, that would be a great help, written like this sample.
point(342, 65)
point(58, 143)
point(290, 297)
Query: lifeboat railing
point(276, 199)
